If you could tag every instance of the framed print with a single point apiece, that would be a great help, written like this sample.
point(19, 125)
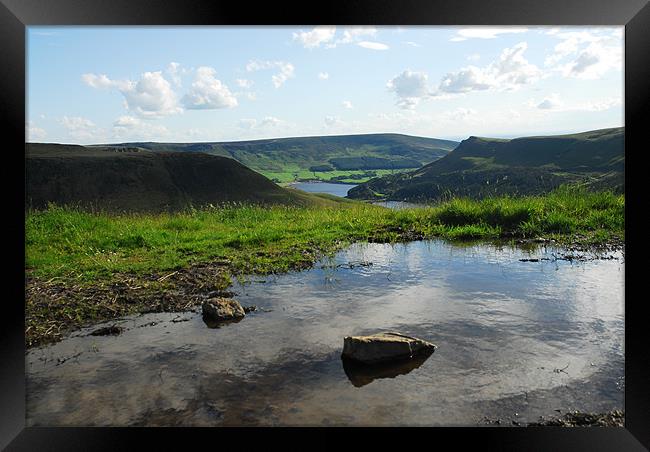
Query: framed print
point(369, 215)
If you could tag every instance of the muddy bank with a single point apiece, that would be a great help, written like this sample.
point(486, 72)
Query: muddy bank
point(57, 306)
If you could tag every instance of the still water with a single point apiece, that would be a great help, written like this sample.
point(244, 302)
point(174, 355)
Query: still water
point(516, 340)
point(324, 187)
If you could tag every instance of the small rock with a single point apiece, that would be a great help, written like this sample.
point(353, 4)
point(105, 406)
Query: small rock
point(251, 308)
point(384, 347)
point(220, 309)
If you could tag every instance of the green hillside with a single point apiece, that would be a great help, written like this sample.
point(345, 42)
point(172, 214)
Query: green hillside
point(335, 158)
point(481, 167)
point(137, 180)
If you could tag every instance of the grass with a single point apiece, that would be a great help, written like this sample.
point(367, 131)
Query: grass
point(67, 242)
point(295, 174)
point(84, 267)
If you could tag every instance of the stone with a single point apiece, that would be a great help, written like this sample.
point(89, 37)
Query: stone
point(222, 309)
point(384, 347)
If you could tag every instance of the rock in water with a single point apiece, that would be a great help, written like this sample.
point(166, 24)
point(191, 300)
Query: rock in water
point(384, 347)
point(222, 309)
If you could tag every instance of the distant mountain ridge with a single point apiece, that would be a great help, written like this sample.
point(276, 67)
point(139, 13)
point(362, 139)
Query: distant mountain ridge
point(481, 167)
point(134, 180)
point(319, 153)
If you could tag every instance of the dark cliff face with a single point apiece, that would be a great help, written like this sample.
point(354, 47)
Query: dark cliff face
point(139, 180)
point(481, 167)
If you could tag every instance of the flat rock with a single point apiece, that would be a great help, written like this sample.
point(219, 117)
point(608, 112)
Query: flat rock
point(383, 347)
point(222, 309)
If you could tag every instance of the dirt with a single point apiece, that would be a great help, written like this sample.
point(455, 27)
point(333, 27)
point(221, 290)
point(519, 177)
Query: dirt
point(614, 418)
point(57, 306)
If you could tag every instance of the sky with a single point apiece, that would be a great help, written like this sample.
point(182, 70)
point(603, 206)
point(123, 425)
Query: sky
point(91, 85)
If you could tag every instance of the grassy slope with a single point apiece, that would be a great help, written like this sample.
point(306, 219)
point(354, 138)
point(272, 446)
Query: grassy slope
point(68, 242)
point(488, 166)
point(287, 159)
point(83, 268)
point(135, 180)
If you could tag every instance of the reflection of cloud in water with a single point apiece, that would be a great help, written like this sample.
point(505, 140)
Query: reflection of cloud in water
point(502, 327)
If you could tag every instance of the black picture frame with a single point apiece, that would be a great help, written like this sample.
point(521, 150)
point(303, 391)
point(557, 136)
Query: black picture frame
point(15, 15)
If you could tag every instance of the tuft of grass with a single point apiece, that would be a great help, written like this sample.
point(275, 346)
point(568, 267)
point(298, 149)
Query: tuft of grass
point(85, 267)
point(64, 241)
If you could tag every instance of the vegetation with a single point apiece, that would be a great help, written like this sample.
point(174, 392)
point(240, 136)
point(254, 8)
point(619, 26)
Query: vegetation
point(120, 179)
point(84, 267)
point(486, 167)
point(70, 242)
point(334, 176)
point(290, 159)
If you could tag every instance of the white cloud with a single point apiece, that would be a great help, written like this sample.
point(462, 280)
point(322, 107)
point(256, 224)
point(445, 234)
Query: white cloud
point(586, 54)
point(152, 96)
point(333, 121)
point(129, 127)
point(460, 114)
point(247, 123)
point(286, 70)
point(471, 78)
point(347, 104)
point(323, 76)
point(372, 45)
point(410, 87)
point(175, 71)
point(33, 132)
point(353, 34)
point(473, 57)
point(412, 44)
point(316, 37)
point(507, 72)
point(554, 103)
point(80, 128)
point(266, 123)
point(550, 103)
point(600, 105)
point(594, 62)
point(97, 81)
point(244, 83)
point(270, 121)
point(208, 92)
point(484, 33)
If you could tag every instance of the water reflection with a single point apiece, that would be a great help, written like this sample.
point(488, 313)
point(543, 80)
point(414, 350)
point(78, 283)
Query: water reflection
point(502, 327)
point(324, 187)
point(361, 374)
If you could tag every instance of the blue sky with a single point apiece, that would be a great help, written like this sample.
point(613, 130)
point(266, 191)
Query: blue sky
point(178, 84)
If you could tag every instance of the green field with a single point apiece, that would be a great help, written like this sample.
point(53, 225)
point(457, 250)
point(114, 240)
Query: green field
point(66, 242)
point(86, 267)
point(283, 158)
point(294, 173)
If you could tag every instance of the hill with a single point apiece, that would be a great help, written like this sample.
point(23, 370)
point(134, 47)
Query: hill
point(330, 158)
point(481, 167)
point(132, 179)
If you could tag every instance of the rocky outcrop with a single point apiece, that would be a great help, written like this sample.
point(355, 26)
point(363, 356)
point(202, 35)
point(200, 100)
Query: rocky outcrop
point(222, 309)
point(384, 347)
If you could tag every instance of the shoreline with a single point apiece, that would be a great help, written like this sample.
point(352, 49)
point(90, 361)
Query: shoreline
point(49, 321)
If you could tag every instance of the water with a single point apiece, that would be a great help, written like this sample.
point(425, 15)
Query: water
point(324, 187)
point(516, 340)
point(342, 191)
point(396, 204)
